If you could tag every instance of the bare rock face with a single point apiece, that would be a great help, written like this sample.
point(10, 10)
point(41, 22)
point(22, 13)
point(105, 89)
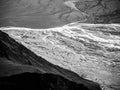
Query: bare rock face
point(52, 13)
point(90, 50)
point(100, 11)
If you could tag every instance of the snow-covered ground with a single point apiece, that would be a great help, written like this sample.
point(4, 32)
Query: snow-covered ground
point(90, 50)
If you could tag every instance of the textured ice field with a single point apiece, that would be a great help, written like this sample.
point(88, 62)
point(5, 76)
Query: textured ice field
point(90, 50)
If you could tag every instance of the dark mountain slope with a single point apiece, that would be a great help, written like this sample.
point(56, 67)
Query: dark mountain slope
point(34, 81)
point(15, 59)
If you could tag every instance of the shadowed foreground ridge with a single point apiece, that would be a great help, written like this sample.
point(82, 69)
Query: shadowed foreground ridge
point(16, 59)
point(34, 81)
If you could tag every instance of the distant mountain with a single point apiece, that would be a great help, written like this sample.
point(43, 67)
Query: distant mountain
point(52, 13)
